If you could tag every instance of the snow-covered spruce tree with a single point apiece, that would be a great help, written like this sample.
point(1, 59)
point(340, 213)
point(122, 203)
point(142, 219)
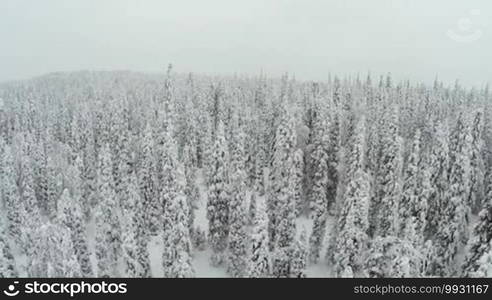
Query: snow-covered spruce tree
point(3, 146)
point(353, 221)
point(317, 128)
point(43, 179)
point(453, 228)
point(428, 254)
point(252, 208)
point(176, 257)
point(207, 149)
point(130, 223)
point(30, 214)
point(487, 131)
point(281, 189)
point(260, 163)
point(70, 215)
point(480, 243)
point(374, 132)
point(7, 263)
point(319, 199)
point(354, 163)
point(167, 177)
point(485, 269)
point(347, 273)
point(347, 117)
point(238, 236)
point(11, 197)
point(410, 192)
point(118, 139)
point(123, 167)
point(333, 158)
point(53, 254)
point(147, 175)
point(192, 191)
point(375, 126)
point(199, 239)
point(477, 166)
point(421, 208)
point(346, 160)
point(38, 156)
point(287, 216)
point(388, 189)
point(259, 264)
point(89, 174)
point(49, 204)
point(392, 257)
point(168, 197)
point(75, 136)
point(165, 123)
point(299, 258)
point(107, 218)
point(166, 105)
point(285, 245)
point(140, 226)
point(438, 164)
point(218, 198)
point(299, 181)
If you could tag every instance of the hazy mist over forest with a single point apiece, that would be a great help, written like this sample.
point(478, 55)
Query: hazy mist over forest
point(309, 38)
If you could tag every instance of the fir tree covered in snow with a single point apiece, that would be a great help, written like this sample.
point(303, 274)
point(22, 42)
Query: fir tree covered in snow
point(319, 189)
point(70, 215)
point(177, 242)
point(259, 264)
point(480, 244)
point(392, 257)
point(299, 181)
point(477, 167)
point(299, 258)
point(8, 267)
point(176, 257)
point(237, 262)
point(281, 194)
point(50, 195)
point(353, 221)
point(11, 196)
point(89, 174)
point(219, 198)
point(107, 218)
point(438, 164)
point(408, 206)
point(453, 228)
point(130, 228)
point(192, 190)
point(139, 226)
point(147, 177)
point(30, 213)
point(388, 186)
point(53, 254)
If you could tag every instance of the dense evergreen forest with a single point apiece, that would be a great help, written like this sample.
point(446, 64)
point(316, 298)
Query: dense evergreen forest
point(108, 174)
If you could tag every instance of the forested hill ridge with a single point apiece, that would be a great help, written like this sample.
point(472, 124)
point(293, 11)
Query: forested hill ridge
point(129, 174)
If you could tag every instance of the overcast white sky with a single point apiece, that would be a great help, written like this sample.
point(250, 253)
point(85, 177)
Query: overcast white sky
point(414, 39)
